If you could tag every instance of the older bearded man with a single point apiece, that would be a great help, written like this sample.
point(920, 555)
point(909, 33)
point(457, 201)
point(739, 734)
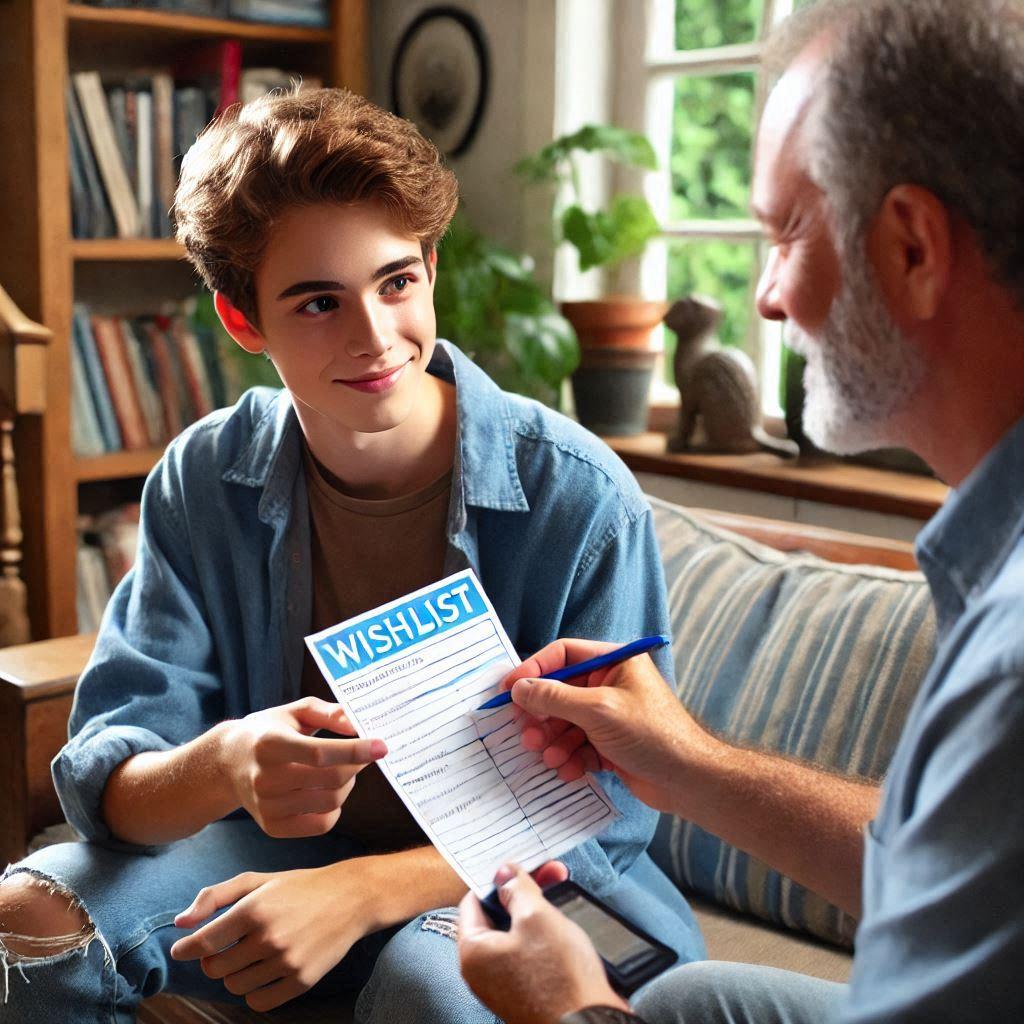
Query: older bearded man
point(889, 174)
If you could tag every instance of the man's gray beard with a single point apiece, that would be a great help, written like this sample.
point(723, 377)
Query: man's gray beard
point(860, 370)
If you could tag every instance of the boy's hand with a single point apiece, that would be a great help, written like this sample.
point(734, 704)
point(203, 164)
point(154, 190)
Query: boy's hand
point(541, 969)
point(291, 782)
point(285, 931)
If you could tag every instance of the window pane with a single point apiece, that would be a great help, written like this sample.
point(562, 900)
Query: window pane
point(712, 134)
point(722, 270)
point(706, 23)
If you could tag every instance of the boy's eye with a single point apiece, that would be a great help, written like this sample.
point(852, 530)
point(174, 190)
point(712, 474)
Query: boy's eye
point(396, 284)
point(321, 304)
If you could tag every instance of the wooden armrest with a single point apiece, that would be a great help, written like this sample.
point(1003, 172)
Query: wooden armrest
point(23, 366)
point(46, 667)
point(832, 545)
point(37, 686)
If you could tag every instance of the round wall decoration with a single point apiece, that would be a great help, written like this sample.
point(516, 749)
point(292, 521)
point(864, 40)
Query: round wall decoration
point(439, 77)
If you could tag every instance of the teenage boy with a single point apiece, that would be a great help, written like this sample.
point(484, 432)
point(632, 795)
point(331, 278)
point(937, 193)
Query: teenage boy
point(195, 769)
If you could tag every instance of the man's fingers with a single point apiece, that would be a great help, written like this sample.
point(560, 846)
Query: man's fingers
point(545, 698)
point(550, 873)
point(473, 920)
point(555, 656)
point(564, 746)
point(520, 894)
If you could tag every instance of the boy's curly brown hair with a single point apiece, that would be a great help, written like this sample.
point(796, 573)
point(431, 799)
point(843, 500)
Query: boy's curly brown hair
point(295, 149)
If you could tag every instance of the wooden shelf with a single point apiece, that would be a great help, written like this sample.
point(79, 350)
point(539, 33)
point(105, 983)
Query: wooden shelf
point(46, 271)
point(812, 479)
point(193, 25)
point(116, 249)
point(117, 465)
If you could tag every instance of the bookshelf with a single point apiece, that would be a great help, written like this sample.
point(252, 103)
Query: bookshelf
point(45, 270)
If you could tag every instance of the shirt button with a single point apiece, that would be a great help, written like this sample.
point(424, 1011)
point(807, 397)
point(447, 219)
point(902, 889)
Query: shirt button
point(296, 557)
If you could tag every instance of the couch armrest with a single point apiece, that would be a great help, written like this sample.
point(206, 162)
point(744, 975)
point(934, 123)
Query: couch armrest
point(37, 685)
point(831, 545)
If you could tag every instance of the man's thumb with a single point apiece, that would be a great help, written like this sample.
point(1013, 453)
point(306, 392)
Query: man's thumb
point(519, 894)
point(545, 698)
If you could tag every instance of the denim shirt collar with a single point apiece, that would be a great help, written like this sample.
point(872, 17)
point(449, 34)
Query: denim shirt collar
point(485, 475)
point(967, 542)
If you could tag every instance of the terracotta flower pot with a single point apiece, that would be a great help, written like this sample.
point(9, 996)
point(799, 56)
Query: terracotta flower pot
point(619, 321)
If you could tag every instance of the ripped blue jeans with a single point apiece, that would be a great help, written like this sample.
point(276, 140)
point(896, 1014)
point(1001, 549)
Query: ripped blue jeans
point(131, 895)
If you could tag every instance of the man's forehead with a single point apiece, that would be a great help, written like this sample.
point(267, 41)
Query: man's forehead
point(781, 141)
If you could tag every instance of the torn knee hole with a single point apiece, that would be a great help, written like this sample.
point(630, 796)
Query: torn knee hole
point(40, 918)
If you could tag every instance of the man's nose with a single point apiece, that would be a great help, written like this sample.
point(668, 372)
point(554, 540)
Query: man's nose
point(768, 302)
point(365, 333)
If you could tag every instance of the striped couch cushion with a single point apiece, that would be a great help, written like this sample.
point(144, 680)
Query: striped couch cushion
point(792, 654)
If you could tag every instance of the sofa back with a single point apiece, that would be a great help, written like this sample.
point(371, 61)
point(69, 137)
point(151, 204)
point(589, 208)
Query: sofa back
point(791, 654)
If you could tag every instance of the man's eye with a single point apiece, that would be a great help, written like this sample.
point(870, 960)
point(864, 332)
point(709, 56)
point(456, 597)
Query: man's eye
point(321, 304)
point(396, 284)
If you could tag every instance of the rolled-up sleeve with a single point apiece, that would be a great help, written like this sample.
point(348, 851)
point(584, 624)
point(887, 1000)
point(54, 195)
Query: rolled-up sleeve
point(152, 682)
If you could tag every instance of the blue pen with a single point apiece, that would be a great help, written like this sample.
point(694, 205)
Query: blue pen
point(626, 651)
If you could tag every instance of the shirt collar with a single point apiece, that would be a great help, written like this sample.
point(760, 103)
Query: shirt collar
point(485, 460)
point(965, 545)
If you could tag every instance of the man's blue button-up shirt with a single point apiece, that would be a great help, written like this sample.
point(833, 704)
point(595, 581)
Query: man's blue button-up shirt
point(942, 934)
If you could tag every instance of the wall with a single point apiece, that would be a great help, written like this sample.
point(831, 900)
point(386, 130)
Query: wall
point(518, 106)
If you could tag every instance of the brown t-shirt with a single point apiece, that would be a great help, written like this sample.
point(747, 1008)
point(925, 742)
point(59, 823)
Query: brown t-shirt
point(364, 554)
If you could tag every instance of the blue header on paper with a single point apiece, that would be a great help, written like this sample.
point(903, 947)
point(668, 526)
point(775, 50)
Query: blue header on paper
point(387, 633)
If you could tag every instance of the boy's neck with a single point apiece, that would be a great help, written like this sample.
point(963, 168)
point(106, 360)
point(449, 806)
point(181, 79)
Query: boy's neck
point(391, 463)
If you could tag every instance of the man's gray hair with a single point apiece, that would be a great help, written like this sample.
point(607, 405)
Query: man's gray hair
point(920, 92)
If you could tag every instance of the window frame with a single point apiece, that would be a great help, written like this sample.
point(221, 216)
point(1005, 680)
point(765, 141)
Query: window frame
point(648, 72)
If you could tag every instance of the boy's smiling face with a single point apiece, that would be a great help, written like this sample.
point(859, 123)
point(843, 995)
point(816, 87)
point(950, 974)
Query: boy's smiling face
point(346, 315)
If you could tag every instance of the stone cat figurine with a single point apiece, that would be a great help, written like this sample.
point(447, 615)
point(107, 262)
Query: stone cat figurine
point(717, 387)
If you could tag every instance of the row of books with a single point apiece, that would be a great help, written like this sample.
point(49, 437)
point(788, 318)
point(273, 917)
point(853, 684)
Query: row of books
point(128, 134)
point(137, 382)
point(106, 551)
point(283, 12)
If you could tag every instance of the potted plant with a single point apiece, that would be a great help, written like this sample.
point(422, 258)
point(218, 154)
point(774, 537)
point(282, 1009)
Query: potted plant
point(611, 385)
point(489, 303)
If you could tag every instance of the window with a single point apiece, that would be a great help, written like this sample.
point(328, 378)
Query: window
point(699, 104)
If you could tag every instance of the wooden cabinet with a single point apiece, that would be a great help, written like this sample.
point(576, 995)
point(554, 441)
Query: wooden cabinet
point(44, 269)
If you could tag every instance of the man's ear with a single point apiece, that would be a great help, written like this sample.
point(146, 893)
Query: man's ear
point(237, 324)
point(910, 244)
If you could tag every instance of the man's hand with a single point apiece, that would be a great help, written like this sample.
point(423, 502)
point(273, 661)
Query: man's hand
point(285, 931)
point(543, 967)
point(624, 718)
point(291, 782)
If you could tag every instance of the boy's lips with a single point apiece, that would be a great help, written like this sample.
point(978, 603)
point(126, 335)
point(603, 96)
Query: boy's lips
point(374, 383)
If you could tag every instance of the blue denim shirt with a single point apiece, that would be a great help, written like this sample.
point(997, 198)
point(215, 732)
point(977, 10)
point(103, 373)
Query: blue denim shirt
point(942, 934)
point(209, 624)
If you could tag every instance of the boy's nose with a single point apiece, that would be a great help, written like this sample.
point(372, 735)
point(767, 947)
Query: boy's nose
point(365, 336)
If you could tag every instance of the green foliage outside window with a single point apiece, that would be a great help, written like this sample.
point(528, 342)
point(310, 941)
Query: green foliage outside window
point(711, 158)
point(705, 23)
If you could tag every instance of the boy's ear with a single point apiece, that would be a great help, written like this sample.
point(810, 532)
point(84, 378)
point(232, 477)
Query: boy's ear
point(237, 325)
point(432, 264)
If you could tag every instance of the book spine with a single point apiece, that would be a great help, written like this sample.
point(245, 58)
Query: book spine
point(163, 152)
point(96, 379)
point(96, 115)
point(86, 436)
point(119, 381)
point(144, 385)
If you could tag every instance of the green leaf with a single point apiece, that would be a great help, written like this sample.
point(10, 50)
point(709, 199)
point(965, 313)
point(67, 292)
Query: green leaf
point(606, 238)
